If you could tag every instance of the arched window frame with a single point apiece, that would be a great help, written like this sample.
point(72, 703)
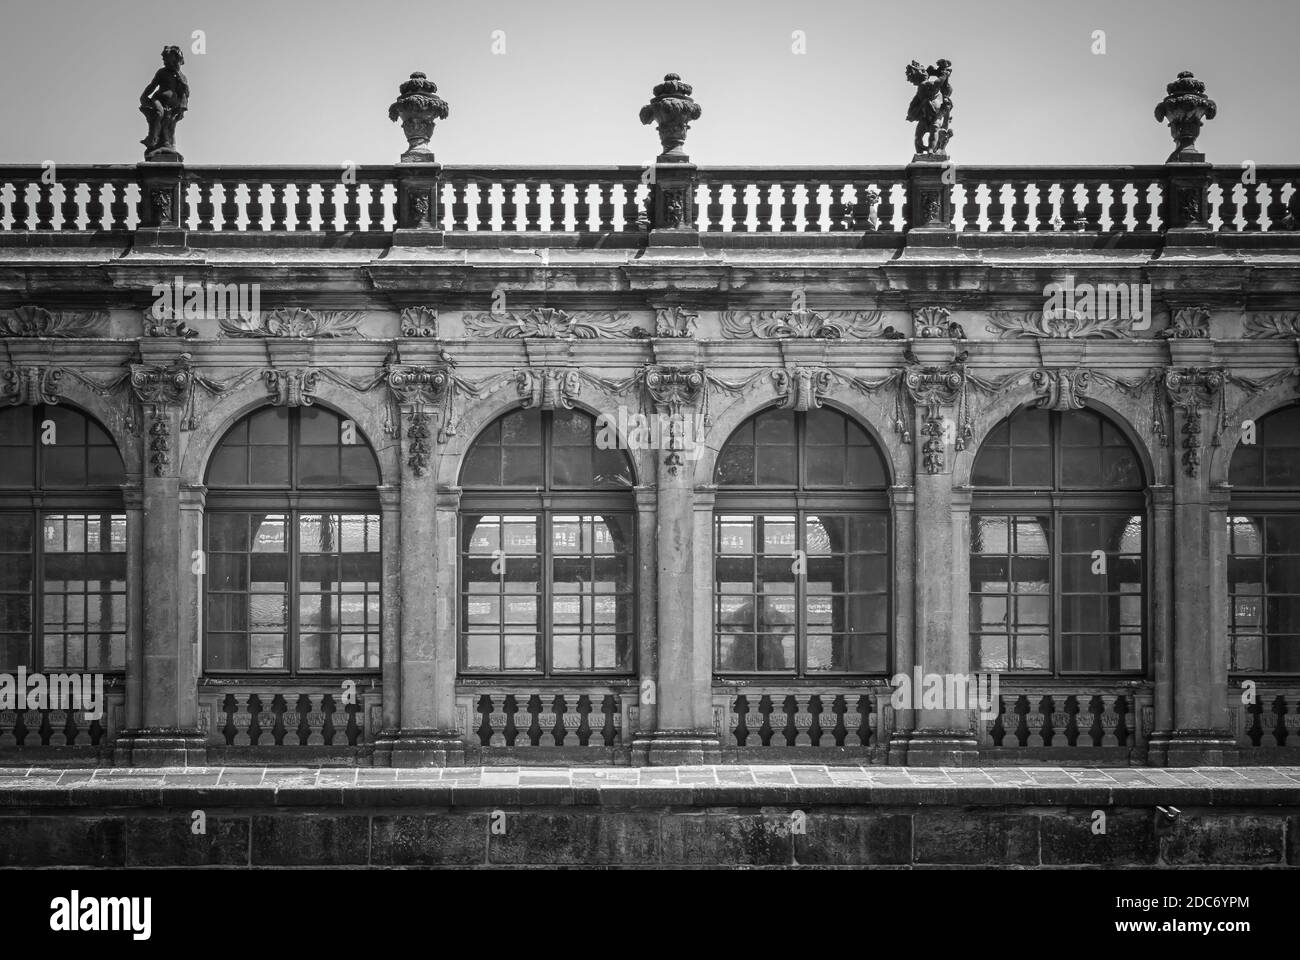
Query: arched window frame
point(296, 502)
point(44, 523)
point(542, 504)
point(805, 500)
point(1263, 545)
point(1060, 502)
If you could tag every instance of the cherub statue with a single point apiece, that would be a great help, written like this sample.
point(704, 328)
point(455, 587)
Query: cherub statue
point(930, 108)
point(163, 102)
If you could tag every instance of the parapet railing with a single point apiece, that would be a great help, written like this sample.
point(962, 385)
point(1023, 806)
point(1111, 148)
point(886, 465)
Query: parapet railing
point(330, 200)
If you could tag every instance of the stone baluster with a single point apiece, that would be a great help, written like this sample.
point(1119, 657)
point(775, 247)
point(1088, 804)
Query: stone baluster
point(302, 205)
point(546, 723)
point(1034, 722)
point(315, 721)
point(1109, 721)
point(58, 728)
point(997, 209)
point(339, 719)
point(242, 720)
point(8, 720)
point(254, 210)
point(1291, 722)
point(1010, 721)
point(497, 723)
point(1060, 721)
point(279, 209)
point(290, 720)
point(803, 720)
point(855, 724)
point(581, 209)
point(509, 209)
point(69, 209)
point(1272, 719)
point(753, 721)
point(82, 734)
point(44, 207)
point(19, 207)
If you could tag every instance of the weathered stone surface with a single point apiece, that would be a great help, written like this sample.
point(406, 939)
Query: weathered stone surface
point(62, 841)
point(974, 837)
point(156, 842)
point(1130, 837)
point(576, 838)
point(1223, 839)
point(727, 839)
point(851, 839)
point(310, 840)
point(434, 840)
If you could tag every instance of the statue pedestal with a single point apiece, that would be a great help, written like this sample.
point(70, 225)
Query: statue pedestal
point(929, 203)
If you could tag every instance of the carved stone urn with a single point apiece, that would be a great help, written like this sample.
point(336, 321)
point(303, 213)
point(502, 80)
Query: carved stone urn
point(1185, 106)
point(673, 110)
point(418, 107)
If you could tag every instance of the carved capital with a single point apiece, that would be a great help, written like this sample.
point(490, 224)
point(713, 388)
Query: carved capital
point(30, 385)
point(163, 386)
point(801, 388)
point(673, 388)
point(548, 388)
point(292, 388)
point(934, 389)
point(1062, 389)
point(675, 321)
point(416, 388)
point(1191, 390)
point(419, 322)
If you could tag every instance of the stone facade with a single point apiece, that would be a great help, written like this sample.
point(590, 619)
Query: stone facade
point(422, 302)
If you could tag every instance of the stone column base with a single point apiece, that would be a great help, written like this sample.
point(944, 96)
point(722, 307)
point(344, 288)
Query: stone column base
point(1193, 748)
point(161, 747)
point(675, 748)
point(419, 748)
point(933, 748)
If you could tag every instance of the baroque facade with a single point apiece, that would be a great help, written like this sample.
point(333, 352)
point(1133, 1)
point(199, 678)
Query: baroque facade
point(424, 464)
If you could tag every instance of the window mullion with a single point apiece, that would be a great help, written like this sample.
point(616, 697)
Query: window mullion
point(36, 602)
point(291, 588)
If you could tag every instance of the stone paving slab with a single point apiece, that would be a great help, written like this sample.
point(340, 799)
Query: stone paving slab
point(643, 786)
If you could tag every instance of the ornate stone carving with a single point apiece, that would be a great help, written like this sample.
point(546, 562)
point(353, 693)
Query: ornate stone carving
point(30, 385)
point(801, 388)
point(295, 322)
point(419, 322)
point(935, 388)
point(419, 108)
point(673, 110)
point(801, 324)
point(672, 389)
point(934, 323)
point(548, 323)
point(30, 321)
point(160, 388)
point(930, 109)
point(1062, 389)
point(548, 388)
point(292, 388)
point(1271, 326)
point(1187, 323)
point(163, 102)
point(1009, 326)
point(415, 391)
point(154, 327)
point(1191, 390)
point(1185, 106)
point(675, 321)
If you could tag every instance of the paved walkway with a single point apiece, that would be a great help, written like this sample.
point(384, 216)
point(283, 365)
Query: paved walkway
point(692, 786)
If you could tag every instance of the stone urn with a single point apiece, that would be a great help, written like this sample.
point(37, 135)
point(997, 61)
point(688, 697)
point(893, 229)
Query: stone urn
point(1185, 107)
point(672, 109)
point(419, 107)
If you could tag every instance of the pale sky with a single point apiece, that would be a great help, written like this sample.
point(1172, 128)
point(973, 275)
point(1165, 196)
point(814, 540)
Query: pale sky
point(310, 81)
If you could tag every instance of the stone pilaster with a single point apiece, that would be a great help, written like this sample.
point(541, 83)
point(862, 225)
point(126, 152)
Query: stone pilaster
point(1161, 502)
point(684, 731)
point(647, 531)
point(1200, 733)
point(427, 733)
point(133, 499)
point(390, 535)
point(942, 642)
point(168, 732)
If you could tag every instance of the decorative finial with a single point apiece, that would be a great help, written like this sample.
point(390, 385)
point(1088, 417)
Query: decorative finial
point(1185, 106)
point(673, 110)
point(930, 109)
point(163, 102)
point(418, 107)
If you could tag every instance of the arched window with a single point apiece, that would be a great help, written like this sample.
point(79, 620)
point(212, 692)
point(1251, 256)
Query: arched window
point(802, 567)
point(62, 543)
point(1057, 567)
point(1264, 548)
point(293, 552)
point(548, 549)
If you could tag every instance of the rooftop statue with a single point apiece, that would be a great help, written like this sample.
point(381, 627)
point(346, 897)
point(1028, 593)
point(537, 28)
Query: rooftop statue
point(672, 109)
point(1185, 107)
point(930, 108)
point(163, 102)
point(419, 108)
